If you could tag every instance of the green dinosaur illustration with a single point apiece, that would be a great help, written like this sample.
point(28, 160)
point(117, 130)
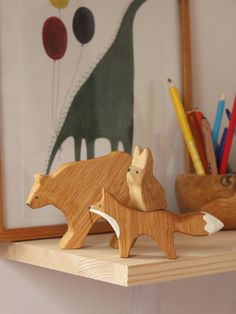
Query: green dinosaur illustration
point(103, 106)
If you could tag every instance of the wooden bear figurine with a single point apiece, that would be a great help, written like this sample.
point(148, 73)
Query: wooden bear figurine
point(129, 223)
point(76, 185)
point(146, 193)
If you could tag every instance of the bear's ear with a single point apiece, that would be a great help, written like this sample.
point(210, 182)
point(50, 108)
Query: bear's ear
point(40, 178)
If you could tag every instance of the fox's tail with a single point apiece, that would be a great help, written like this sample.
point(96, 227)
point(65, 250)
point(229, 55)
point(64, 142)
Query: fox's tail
point(198, 224)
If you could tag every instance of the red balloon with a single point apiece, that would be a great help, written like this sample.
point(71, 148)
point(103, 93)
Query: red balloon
point(54, 36)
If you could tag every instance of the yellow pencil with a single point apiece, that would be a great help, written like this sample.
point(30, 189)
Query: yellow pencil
point(186, 129)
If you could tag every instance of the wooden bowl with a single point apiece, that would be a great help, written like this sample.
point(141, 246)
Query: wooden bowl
point(214, 194)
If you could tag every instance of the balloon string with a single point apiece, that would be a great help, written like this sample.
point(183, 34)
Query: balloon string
point(52, 96)
point(57, 96)
point(70, 85)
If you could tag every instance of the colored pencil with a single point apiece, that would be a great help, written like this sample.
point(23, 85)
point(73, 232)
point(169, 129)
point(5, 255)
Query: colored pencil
point(228, 141)
point(197, 134)
point(228, 113)
point(199, 116)
point(179, 108)
point(218, 119)
point(209, 148)
point(221, 148)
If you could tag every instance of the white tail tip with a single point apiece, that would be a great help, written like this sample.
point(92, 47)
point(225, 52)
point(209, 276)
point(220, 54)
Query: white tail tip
point(213, 224)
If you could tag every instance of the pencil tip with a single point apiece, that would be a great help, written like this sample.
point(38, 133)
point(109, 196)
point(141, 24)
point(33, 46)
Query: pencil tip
point(222, 97)
point(169, 80)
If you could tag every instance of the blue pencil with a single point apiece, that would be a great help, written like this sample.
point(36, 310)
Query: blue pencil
point(228, 113)
point(221, 147)
point(218, 119)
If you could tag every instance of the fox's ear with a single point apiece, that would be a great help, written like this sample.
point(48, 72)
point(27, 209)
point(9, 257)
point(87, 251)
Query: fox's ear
point(136, 156)
point(104, 192)
point(146, 159)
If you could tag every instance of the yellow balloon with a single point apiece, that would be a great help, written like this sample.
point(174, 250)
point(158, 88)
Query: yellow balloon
point(60, 4)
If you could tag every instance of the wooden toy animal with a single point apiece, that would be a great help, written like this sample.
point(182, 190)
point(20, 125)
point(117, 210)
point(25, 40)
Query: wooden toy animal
point(215, 194)
point(146, 193)
point(107, 110)
point(76, 185)
point(160, 225)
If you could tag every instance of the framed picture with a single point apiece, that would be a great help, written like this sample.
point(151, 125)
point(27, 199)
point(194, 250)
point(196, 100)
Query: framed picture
point(80, 81)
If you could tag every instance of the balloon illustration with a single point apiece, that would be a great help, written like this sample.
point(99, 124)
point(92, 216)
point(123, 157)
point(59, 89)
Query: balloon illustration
point(60, 4)
point(54, 38)
point(83, 25)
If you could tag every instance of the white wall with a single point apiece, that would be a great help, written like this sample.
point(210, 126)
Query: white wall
point(31, 290)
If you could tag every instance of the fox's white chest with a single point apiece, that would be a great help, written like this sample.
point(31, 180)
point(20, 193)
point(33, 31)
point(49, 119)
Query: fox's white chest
point(109, 219)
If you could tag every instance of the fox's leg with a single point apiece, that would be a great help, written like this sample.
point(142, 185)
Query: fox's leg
point(125, 245)
point(165, 242)
point(114, 243)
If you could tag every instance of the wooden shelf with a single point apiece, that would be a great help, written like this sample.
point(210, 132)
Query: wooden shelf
point(196, 256)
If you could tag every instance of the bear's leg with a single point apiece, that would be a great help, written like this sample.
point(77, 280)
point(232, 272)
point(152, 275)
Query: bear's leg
point(78, 229)
point(74, 237)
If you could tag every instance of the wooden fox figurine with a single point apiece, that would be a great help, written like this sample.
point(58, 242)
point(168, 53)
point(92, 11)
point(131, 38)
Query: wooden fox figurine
point(129, 223)
point(146, 193)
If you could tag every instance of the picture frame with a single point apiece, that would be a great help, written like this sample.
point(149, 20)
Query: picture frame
point(56, 230)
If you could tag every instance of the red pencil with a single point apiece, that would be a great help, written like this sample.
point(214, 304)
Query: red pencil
point(199, 116)
point(228, 142)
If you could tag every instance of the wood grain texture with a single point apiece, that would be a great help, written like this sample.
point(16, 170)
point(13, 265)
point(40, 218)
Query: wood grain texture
point(209, 148)
point(215, 194)
point(186, 70)
point(74, 186)
point(196, 129)
point(186, 54)
point(160, 225)
point(146, 192)
point(216, 254)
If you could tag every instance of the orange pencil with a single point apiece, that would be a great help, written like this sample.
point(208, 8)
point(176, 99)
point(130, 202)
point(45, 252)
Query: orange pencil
point(196, 128)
